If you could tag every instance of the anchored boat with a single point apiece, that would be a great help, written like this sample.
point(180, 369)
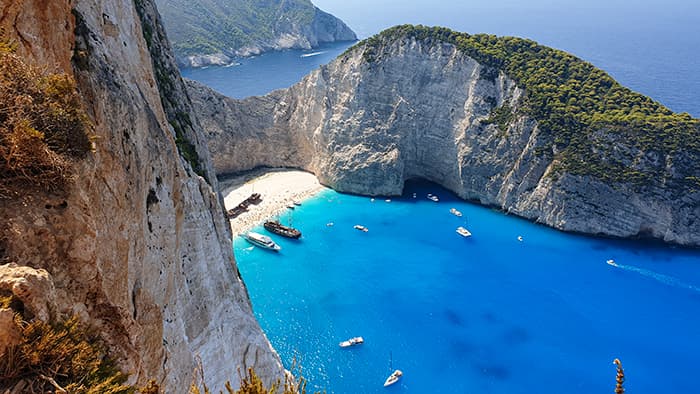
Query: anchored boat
point(393, 378)
point(261, 240)
point(280, 229)
point(463, 232)
point(360, 227)
point(352, 342)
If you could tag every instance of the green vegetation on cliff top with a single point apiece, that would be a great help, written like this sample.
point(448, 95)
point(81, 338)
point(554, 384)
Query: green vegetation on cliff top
point(211, 26)
point(594, 125)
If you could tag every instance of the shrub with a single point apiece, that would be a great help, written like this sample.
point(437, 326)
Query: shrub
point(252, 384)
point(43, 128)
point(61, 356)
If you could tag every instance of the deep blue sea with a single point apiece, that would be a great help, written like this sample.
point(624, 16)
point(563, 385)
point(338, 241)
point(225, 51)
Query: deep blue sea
point(486, 314)
point(259, 75)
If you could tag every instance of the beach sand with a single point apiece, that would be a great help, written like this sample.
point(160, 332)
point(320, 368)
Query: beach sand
point(278, 188)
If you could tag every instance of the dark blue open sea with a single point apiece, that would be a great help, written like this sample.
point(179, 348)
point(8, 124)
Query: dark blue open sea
point(487, 314)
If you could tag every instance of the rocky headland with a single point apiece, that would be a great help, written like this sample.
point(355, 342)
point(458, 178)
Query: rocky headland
point(207, 33)
point(504, 122)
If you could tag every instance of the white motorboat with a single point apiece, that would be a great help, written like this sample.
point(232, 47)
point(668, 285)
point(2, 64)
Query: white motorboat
point(611, 262)
point(455, 212)
point(261, 240)
point(463, 232)
point(520, 238)
point(393, 378)
point(433, 197)
point(352, 342)
point(297, 203)
point(388, 200)
point(360, 227)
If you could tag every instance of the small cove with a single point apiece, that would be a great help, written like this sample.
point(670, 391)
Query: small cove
point(486, 314)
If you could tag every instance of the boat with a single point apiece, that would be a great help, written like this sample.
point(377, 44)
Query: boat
point(280, 229)
point(433, 197)
point(455, 212)
point(261, 240)
point(254, 198)
point(414, 195)
point(312, 54)
point(393, 378)
point(237, 210)
point(463, 232)
point(360, 227)
point(297, 203)
point(291, 206)
point(352, 342)
point(520, 238)
point(330, 224)
point(611, 262)
point(388, 200)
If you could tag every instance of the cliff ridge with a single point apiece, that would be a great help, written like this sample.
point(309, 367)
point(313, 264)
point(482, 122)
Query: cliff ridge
point(502, 121)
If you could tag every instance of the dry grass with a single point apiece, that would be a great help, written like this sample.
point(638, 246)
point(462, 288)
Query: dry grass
point(620, 378)
point(43, 128)
point(252, 384)
point(64, 356)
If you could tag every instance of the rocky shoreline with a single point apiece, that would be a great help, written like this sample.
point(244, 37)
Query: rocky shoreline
point(423, 110)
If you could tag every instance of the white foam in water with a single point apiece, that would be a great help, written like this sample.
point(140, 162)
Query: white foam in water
point(665, 279)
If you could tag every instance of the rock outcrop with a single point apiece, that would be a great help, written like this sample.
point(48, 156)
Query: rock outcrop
point(423, 108)
point(215, 32)
point(138, 246)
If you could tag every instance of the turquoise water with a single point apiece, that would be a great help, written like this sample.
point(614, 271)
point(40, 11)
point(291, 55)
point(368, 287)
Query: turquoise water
point(488, 314)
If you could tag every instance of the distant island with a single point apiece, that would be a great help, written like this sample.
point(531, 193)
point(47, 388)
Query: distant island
point(214, 32)
point(503, 121)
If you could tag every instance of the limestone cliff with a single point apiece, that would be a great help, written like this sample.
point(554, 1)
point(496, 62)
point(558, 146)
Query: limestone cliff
point(402, 106)
point(138, 245)
point(214, 32)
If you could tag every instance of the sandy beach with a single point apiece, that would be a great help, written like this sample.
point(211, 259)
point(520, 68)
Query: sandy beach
point(278, 188)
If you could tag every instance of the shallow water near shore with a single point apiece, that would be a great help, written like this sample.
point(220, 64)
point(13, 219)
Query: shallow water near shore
point(486, 314)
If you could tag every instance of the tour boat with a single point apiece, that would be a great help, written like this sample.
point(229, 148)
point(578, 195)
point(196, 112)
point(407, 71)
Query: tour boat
point(280, 229)
point(463, 232)
point(360, 227)
point(455, 212)
point(261, 240)
point(352, 342)
point(393, 378)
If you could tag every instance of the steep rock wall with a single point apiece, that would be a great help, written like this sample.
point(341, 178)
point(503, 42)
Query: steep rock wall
point(138, 246)
point(423, 109)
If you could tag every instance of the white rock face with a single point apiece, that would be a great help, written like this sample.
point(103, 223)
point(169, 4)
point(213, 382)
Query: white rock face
point(139, 246)
point(420, 110)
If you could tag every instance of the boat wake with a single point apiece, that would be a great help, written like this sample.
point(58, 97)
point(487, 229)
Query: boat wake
point(661, 278)
point(312, 54)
